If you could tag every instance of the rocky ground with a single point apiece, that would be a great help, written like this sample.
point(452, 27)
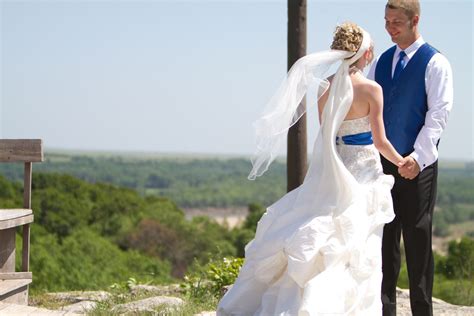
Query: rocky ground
point(161, 300)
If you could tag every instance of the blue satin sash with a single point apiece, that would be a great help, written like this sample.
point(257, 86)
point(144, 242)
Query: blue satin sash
point(356, 139)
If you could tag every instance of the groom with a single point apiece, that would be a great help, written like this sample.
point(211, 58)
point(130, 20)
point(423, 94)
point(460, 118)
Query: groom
point(418, 95)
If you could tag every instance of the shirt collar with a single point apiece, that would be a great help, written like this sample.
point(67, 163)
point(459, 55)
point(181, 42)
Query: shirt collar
point(410, 50)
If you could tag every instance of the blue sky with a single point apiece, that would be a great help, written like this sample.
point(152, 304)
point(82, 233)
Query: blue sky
point(184, 76)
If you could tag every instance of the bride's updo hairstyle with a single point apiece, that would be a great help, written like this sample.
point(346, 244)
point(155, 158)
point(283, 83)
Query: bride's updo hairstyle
point(348, 37)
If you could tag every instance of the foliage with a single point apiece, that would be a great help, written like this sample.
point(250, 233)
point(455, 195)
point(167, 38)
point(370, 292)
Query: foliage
point(211, 181)
point(256, 212)
point(440, 227)
point(180, 241)
point(216, 275)
point(100, 220)
point(84, 260)
point(223, 273)
point(127, 285)
point(459, 263)
point(456, 188)
point(451, 214)
point(454, 291)
point(190, 182)
point(242, 236)
point(454, 273)
point(455, 199)
point(88, 236)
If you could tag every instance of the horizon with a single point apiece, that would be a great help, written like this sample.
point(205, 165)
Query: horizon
point(189, 155)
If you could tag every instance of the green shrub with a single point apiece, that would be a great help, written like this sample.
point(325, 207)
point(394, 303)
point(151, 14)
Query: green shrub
point(213, 278)
point(459, 263)
point(86, 261)
point(454, 291)
point(454, 275)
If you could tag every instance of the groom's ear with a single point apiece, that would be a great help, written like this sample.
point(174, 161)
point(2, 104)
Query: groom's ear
point(415, 20)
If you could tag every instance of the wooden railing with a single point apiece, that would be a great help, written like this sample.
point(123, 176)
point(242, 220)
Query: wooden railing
point(14, 284)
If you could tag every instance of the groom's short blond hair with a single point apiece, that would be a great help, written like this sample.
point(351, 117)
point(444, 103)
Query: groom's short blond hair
point(410, 7)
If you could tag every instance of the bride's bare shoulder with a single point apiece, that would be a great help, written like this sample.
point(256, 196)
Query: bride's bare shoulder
point(371, 87)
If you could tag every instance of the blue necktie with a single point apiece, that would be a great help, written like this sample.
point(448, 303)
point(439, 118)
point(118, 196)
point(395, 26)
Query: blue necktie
point(400, 65)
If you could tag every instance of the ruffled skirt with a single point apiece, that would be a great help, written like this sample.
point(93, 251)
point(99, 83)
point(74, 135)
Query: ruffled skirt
point(326, 264)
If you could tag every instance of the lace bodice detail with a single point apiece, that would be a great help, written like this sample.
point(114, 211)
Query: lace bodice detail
point(363, 161)
point(355, 126)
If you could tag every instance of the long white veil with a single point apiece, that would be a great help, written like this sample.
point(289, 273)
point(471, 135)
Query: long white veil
point(283, 110)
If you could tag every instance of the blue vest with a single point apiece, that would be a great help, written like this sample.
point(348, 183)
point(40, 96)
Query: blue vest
point(405, 101)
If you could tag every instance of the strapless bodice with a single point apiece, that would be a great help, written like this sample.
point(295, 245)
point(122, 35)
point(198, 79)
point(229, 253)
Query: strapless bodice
point(355, 126)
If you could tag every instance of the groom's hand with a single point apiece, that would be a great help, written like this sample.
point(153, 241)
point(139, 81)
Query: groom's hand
point(410, 169)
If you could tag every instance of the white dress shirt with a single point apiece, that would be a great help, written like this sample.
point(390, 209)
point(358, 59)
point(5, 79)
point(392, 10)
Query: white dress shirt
point(439, 91)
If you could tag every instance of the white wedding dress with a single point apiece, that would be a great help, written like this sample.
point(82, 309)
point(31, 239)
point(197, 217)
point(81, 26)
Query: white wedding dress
point(317, 250)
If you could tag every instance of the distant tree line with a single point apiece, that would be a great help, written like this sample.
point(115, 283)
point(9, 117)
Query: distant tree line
point(193, 182)
point(188, 182)
point(455, 202)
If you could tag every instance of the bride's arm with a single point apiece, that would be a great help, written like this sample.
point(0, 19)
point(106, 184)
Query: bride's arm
point(381, 142)
point(321, 102)
point(323, 99)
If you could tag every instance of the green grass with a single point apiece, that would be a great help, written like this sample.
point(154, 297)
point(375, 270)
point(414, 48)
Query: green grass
point(122, 295)
point(45, 301)
point(453, 291)
point(457, 292)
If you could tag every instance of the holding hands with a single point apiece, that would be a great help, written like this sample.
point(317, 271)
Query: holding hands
point(408, 168)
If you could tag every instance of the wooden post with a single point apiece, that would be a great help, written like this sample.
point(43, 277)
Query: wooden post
point(7, 250)
point(25, 259)
point(27, 185)
point(297, 137)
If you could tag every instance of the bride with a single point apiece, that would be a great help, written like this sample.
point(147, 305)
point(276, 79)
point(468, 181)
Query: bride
point(317, 250)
